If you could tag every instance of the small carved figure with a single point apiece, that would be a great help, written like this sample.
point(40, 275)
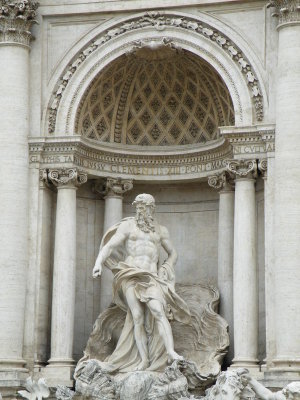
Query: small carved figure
point(142, 288)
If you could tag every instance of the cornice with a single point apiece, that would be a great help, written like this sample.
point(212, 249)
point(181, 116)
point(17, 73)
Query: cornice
point(287, 11)
point(178, 163)
point(253, 141)
point(16, 20)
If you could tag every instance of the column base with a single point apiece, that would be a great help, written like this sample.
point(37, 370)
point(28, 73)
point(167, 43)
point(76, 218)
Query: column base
point(250, 364)
point(12, 377)
point(59, 372)
point(286, 365)
point(276, 380)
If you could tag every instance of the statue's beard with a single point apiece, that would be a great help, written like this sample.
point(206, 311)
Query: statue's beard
point(145, 221)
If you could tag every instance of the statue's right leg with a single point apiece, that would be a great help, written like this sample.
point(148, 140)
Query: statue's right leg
point(138, 316)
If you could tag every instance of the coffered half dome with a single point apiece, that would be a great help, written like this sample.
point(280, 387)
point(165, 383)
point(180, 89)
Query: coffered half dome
point(155, 98)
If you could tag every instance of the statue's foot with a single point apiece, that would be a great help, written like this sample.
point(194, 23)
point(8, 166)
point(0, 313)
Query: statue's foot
point(143, 365)
point(173, 356)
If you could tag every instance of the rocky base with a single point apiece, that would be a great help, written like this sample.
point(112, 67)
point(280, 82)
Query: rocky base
point(172, 384)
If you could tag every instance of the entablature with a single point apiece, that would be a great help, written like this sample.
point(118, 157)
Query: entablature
point(176, 163)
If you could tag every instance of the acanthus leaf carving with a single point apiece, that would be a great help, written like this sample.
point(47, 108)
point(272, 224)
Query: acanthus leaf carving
point(286, 10)
point(16, 19)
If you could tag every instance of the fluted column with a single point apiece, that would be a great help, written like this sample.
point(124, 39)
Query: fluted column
point(245, 285)
point(113, 192)
point(64, 271)
point(287, 187)
point(224, 185)
point(16, 19)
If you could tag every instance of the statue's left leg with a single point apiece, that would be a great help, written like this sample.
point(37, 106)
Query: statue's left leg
point(164, 328)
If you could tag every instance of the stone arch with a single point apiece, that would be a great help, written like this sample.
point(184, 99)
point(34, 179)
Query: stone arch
point(190, 33)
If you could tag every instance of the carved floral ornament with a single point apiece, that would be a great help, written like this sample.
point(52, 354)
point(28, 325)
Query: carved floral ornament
point(159, 22)
point(16, 19)
point(285, 10)
point(63, 177)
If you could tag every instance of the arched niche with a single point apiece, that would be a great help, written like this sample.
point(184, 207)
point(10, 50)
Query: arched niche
point(181, 31)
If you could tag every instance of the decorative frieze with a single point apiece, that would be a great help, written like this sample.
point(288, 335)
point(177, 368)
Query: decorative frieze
point(16, 19)
point(286, 10)
point(104, 161)
point(159, 22)
point(66, 177)
point(242, 168)
point(221, 182)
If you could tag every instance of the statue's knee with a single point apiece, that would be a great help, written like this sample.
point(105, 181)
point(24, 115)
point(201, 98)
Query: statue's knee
point(138, 318)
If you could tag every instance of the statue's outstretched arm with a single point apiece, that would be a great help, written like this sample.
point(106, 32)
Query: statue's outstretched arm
point(116, 241)
point(262, 392)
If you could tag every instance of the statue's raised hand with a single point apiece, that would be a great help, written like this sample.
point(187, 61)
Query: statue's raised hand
point(97, 270)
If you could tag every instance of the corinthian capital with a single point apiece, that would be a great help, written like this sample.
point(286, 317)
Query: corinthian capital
point(221, 182)
point(66, 177)
point(286, 10)
point(242, 168)
point(16, 19)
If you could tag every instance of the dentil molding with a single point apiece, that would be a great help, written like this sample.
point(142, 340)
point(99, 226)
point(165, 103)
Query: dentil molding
point(286, 10)
point(16, 20)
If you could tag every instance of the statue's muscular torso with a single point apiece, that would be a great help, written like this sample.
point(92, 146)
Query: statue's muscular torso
point(142, 247)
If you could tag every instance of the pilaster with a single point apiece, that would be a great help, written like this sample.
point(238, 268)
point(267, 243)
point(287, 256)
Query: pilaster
point(287, 188)
point(16, 19)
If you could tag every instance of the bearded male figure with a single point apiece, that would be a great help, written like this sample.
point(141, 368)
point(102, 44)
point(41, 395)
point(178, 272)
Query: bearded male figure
point(143, 289)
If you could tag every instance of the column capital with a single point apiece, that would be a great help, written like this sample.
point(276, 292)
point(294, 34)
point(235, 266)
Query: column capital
point(16, 19)
point(65, 177)
point(263, 167)
point(286, 10)
point(246, 169)
point(114, 187)
point(221, 182)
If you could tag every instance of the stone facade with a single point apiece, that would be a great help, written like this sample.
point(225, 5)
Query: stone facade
point(195, 102)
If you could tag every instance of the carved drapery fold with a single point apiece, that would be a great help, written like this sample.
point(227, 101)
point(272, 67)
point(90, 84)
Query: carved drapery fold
point(242, 168)
point(65, 177)
point(16, 20)
point(286, 10)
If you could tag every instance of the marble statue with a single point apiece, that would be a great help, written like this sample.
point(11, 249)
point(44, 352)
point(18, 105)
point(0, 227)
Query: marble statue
point(157, 340)
point(289, 392)
point(144, 290)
